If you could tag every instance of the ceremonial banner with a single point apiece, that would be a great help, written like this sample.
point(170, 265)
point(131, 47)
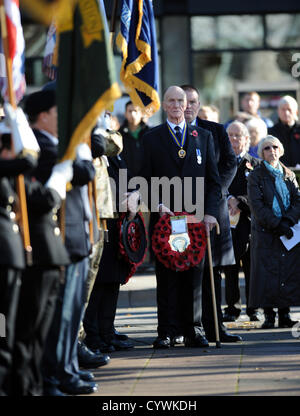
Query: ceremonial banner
point(16, 52)
point(41, 10)
point(137, 42)
point(86, 81)
point(49, 66)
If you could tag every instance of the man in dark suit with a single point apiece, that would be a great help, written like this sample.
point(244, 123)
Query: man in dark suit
point(222, 247)
point(192, 155)
point(238, 205)
point(287, 130)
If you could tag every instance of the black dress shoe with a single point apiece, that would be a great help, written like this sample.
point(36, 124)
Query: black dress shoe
point(269, 322)
point(81, 387)
point(227, 317)
point(285, 321)
point(162, 343)
point(121, 345)
point(179, 339)
point(86, 375)
point(224, 337)
point(52, 391)
point(254, 317)
point(199, 341)
point(118, 335)
point(88, 359)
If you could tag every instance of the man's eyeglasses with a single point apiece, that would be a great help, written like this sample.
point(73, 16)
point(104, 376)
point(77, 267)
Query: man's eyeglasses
point(270, 147)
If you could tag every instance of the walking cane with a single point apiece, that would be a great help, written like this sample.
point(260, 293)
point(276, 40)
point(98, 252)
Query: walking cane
point(213, 293)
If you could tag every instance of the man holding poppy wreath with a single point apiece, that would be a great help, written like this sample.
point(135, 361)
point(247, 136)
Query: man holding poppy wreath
point(175, 149)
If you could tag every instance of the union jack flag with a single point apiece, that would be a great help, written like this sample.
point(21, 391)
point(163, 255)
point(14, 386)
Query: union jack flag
point(16, 52)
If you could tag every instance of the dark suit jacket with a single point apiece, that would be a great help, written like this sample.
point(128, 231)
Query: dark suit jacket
point(12, 251)
point(222, 248)
point(238, 189)
point(161, 160)
point(47, 158)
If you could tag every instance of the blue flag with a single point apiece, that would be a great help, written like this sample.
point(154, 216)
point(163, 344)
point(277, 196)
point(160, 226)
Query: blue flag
point(137, 42)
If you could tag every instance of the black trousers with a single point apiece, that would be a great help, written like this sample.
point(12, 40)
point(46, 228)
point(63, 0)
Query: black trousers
point(179, 299)
point(100, 313)
point(10, 283)
point(39, 291)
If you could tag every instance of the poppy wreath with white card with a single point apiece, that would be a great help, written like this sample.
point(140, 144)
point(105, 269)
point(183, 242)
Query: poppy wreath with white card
point(189, 252)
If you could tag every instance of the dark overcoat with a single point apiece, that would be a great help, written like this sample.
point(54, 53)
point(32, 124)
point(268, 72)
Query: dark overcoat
point(238, 189)
point(275, 271)
point(222, 247)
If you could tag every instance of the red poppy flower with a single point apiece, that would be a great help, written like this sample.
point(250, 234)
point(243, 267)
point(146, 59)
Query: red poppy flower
point(194, 133)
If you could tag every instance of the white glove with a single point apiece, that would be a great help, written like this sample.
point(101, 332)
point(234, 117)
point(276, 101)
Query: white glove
point(22, 134)
point(62, 173)
point(83, 152)
point(104, 121)
point(162, 209)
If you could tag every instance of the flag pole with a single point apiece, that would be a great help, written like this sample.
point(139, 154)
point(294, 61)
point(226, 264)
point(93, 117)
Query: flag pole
point(112, 28)
point(20, 178)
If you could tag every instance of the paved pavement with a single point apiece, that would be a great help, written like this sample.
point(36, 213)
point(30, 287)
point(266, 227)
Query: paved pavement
point(266, 363)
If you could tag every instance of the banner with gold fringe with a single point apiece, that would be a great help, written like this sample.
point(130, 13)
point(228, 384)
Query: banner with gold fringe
point(86, 78)
point(137, 42)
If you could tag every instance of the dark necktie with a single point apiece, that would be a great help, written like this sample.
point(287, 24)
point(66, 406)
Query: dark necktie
point(238, 160)
point(178, 133)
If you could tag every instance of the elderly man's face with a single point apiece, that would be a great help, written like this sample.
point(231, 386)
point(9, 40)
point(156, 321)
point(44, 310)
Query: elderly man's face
point(192, 106)
point(237, 139)
point(287, 114)
point(174, 104)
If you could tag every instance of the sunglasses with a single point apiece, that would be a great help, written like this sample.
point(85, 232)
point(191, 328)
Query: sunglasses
point(270, 147)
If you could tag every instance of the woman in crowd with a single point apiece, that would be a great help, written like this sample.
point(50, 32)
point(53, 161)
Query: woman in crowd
point(257, 129)
point(274, 199)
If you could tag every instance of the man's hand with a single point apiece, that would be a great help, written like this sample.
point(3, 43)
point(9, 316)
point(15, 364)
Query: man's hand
point(131, 203)
point(233, 206)
point(210, 222)
point(162, 209)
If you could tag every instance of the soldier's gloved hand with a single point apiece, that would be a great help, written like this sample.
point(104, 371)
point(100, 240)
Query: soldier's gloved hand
point(62, 173)
point(83, 152)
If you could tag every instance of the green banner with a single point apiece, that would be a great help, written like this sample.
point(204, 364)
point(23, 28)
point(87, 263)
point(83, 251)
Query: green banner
point(86, 77)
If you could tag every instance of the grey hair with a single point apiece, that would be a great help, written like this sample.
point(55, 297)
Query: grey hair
point(244, 129)
point(272, 140)
point(287, 99)
point(242, 126)
point(260, 124)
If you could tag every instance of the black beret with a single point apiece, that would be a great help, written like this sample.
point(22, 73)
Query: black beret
point(40, 101)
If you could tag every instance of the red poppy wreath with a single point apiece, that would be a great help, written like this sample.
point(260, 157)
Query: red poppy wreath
point(132, 241)
point(175, 260)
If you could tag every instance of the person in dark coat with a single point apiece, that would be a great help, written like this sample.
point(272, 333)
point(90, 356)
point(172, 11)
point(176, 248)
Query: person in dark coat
point(12, 260)
point(179, 294)
point(241, 230)
point(132, 131)
point(287, 130)
point(274, 200)
point(222, 247)
point(100, 314)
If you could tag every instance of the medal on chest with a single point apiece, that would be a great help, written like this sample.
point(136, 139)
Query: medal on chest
point(179, 141)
